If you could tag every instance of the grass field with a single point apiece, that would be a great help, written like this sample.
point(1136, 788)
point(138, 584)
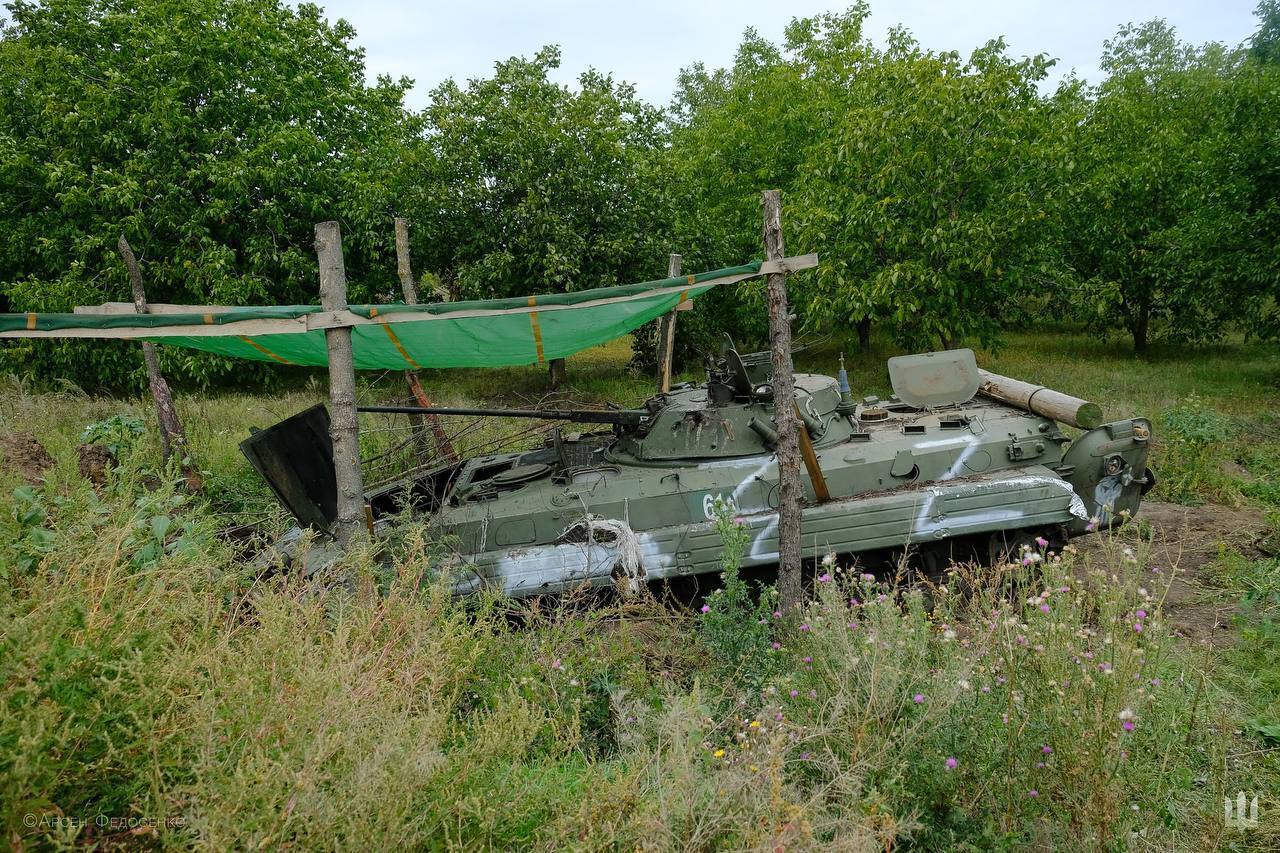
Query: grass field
point(155, 690)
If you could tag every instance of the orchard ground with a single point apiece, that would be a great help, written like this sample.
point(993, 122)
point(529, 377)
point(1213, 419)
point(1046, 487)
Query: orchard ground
point(1105, 698)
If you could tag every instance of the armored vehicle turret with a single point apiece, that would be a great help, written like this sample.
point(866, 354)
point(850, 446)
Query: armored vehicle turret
point(942, 469)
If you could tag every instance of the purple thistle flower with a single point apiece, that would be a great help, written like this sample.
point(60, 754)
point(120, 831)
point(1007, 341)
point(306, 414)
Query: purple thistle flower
point(1141, 614)
point(824, 578)
point(1127, 725)
point(918, 698)
point(1033, 793)
point(951, 763)
point(706, 608)
point(795, 693)
point(776, 646)
point(1044, 608)
point(805, 627)
point(1046, 749)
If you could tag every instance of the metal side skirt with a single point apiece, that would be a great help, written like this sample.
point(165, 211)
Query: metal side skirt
point(1026, 497)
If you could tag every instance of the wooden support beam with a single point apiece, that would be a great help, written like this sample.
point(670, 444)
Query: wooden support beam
point(173, 439)
point(325, 319)
point(404, 267)
point(785, 414)
point(667, 332)
point(343, 426)
point(816, 478)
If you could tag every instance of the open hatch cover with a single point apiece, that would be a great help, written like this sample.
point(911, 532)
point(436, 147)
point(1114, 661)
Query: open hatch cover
point(934, 379)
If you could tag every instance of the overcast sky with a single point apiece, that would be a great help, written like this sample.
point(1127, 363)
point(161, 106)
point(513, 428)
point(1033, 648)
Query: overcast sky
point(647, 41)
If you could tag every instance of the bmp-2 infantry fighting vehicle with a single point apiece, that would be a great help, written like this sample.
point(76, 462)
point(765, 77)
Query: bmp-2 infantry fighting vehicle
point(956, 464)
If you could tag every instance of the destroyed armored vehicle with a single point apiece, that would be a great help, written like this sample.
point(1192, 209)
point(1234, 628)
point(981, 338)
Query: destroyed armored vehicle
point(957, 464)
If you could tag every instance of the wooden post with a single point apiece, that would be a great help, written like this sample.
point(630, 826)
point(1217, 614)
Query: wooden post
point(173, 439)
point(405, 268)
point(349, 526)
point(784, 410)
point(667, 333)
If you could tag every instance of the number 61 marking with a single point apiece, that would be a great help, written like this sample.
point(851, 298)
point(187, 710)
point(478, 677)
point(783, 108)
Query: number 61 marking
point(709, 502)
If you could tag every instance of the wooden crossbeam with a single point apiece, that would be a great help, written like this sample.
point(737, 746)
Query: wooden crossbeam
point(345, 319)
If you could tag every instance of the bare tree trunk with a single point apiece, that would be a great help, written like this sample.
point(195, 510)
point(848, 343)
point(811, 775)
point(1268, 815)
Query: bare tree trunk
point(1142, 322)
point(173, 440)
point(667, 332)
point(344, 428)
point(555, 373)
point(864, 335)
point(405, 269)
point(784, 411)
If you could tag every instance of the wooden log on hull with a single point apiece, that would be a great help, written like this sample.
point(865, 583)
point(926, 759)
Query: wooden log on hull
point(1040, 400)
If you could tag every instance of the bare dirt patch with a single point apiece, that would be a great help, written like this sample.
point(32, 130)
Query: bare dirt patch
point(1184, 542)
point(23, 453)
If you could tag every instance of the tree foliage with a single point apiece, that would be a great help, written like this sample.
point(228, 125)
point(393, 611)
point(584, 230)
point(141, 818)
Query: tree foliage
point(212, 133)
point(923, 179)
point(930, 185)
point(1172, 212)
point(948, 196)
point(518, 184)
point(1264, 46)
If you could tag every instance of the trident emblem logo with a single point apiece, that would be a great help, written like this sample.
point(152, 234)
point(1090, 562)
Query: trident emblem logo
point(1236, 818)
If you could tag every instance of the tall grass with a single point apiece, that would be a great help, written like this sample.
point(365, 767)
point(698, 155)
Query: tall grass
point(148, 680)
point(154, 688)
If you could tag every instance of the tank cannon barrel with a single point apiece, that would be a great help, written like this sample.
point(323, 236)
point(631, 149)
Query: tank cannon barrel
point(621, 417)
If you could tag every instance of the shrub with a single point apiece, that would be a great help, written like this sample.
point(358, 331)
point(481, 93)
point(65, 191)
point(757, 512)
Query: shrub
point(1057, 717)
point(735, 626)
point(1194, 446)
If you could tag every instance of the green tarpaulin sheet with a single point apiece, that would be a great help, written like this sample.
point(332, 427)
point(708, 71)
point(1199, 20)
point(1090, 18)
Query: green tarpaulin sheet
point(482, 333)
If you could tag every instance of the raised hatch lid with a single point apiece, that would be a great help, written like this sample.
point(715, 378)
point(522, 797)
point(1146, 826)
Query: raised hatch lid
point(934, 379)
